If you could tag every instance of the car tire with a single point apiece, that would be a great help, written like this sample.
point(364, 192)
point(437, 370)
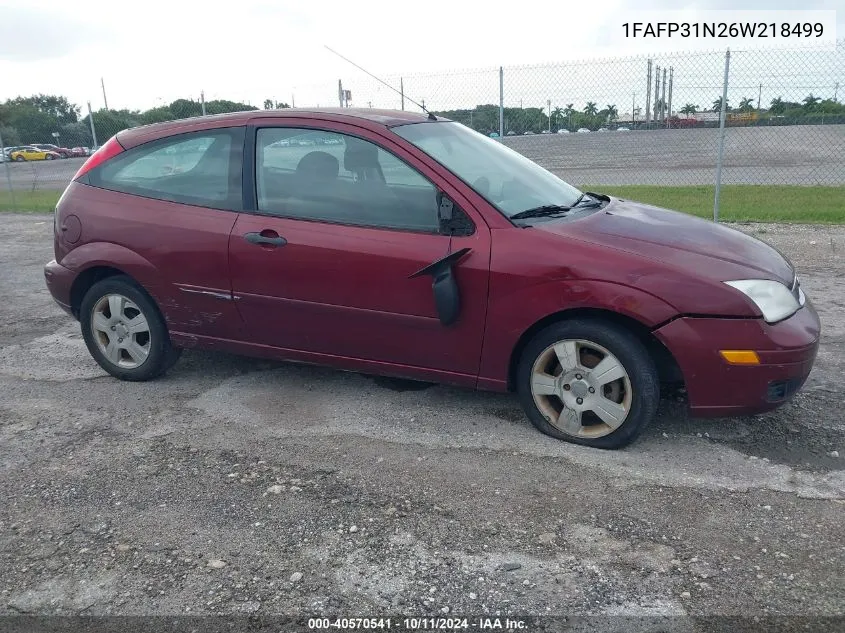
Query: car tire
point(19, 159)
point(126, 346)
point(567, 394)
point(48, 157)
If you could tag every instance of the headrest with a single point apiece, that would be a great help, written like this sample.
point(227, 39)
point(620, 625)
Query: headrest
point(360, 155)
point(320, 165)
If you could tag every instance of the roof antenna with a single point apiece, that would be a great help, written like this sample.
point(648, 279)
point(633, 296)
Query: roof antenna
point(430, 115)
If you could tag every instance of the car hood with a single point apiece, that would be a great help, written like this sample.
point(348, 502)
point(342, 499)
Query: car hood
point(687, 243)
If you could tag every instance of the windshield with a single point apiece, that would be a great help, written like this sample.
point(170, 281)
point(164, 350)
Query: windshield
point(504, 177)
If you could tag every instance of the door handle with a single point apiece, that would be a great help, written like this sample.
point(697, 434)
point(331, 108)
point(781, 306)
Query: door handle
point(274, 239)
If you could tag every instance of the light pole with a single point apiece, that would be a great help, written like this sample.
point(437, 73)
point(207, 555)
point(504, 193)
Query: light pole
point(549, 103)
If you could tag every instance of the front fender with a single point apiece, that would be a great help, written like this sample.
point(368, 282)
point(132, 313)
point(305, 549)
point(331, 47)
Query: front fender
point(512, 314)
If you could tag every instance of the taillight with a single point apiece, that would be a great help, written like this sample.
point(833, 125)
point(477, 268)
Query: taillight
point(110, 149)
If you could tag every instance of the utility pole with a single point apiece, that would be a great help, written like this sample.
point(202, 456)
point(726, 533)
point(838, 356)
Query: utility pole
point(759, 95)
point(663, 99)
point(719, 159)
point(202, 101)
point(105, 101)
point(340, 92)
point(669, 105)
point(549, 103)
point(633, 110)
point(656, 91)
point(292, 101)
point(91, 121)
point(648, 95)
point(835, 90)
point(8, 176)
point(402, 91)
point(501, 103)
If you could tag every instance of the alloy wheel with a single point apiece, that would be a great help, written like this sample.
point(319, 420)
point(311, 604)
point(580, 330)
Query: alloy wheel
point(121, 331)
point(581, 388)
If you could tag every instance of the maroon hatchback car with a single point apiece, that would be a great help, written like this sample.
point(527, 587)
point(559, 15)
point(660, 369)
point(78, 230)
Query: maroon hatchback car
point(408, 245)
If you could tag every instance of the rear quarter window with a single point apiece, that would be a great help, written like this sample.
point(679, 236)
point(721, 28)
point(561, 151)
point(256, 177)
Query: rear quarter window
point(199, 168)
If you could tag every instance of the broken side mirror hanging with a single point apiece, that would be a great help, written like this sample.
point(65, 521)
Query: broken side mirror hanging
point(447, 297)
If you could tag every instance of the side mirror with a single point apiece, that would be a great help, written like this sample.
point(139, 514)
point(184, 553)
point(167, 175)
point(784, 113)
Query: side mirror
point(447, 296)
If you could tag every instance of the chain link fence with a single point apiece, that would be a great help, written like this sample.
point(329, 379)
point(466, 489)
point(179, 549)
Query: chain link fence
point(618, 124)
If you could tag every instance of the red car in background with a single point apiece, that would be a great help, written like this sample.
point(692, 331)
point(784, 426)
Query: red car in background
point(408, 245)
point(64, 152)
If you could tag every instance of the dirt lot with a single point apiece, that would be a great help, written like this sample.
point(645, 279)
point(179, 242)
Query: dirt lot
point(242, 486)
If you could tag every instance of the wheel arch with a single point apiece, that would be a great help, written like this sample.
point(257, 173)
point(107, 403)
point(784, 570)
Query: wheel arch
point(667, 367)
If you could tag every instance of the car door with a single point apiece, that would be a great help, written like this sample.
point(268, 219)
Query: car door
point(333, 261)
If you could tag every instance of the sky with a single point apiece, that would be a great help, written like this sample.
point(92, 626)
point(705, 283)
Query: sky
point(153, 52)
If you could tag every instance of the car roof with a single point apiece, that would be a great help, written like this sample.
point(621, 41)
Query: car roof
point(365, 117)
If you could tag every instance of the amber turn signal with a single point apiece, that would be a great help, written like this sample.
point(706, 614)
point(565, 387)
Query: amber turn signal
point(740, 356)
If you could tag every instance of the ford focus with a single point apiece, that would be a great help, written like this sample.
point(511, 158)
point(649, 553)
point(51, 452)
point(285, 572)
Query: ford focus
point(400, 244)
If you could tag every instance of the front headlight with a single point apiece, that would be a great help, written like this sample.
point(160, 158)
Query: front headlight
point(774, 300)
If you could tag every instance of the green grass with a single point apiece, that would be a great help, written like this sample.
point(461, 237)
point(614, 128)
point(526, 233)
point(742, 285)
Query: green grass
point(29, 201)
point(739, 203)
point(742, 203)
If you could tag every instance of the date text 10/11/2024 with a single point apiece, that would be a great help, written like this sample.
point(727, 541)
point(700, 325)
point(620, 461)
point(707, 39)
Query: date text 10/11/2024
point(418, 624)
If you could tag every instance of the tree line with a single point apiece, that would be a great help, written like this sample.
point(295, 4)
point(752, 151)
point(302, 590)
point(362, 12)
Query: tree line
point(36, 118)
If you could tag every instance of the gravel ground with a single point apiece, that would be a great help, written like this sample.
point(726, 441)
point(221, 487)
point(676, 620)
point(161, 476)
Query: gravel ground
point(241, 486)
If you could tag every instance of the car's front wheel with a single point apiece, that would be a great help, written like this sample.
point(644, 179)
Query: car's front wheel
point(124, 331)
point(588, 382)
point(19, 159)
point(48, 157)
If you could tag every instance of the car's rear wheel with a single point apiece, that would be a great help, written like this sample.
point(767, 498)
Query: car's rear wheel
point(48, 157)
point(588, 382)
point(19, 159)
point(124, 331)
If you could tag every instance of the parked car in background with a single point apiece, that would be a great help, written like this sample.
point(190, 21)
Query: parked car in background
point(8, 150)
point(33, 153)
point(563, 131)
point(63, 152)
point(602, 129)
point(583, 130)
point(79, 151)
point(623, 129)
point(453, 259)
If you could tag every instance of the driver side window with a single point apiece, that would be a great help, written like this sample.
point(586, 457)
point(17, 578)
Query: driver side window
point(332, 177)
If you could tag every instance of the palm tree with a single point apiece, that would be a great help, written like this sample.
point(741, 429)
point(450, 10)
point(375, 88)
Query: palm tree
point(810, 102)
point(612, 112)
point(777, 105)
point(591, 109)
point(690, 108)
point(569, 110)
point(717, 105)
point(557, 113)
point(746, 105)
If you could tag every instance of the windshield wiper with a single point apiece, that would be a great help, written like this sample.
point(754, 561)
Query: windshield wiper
point(541, 212)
